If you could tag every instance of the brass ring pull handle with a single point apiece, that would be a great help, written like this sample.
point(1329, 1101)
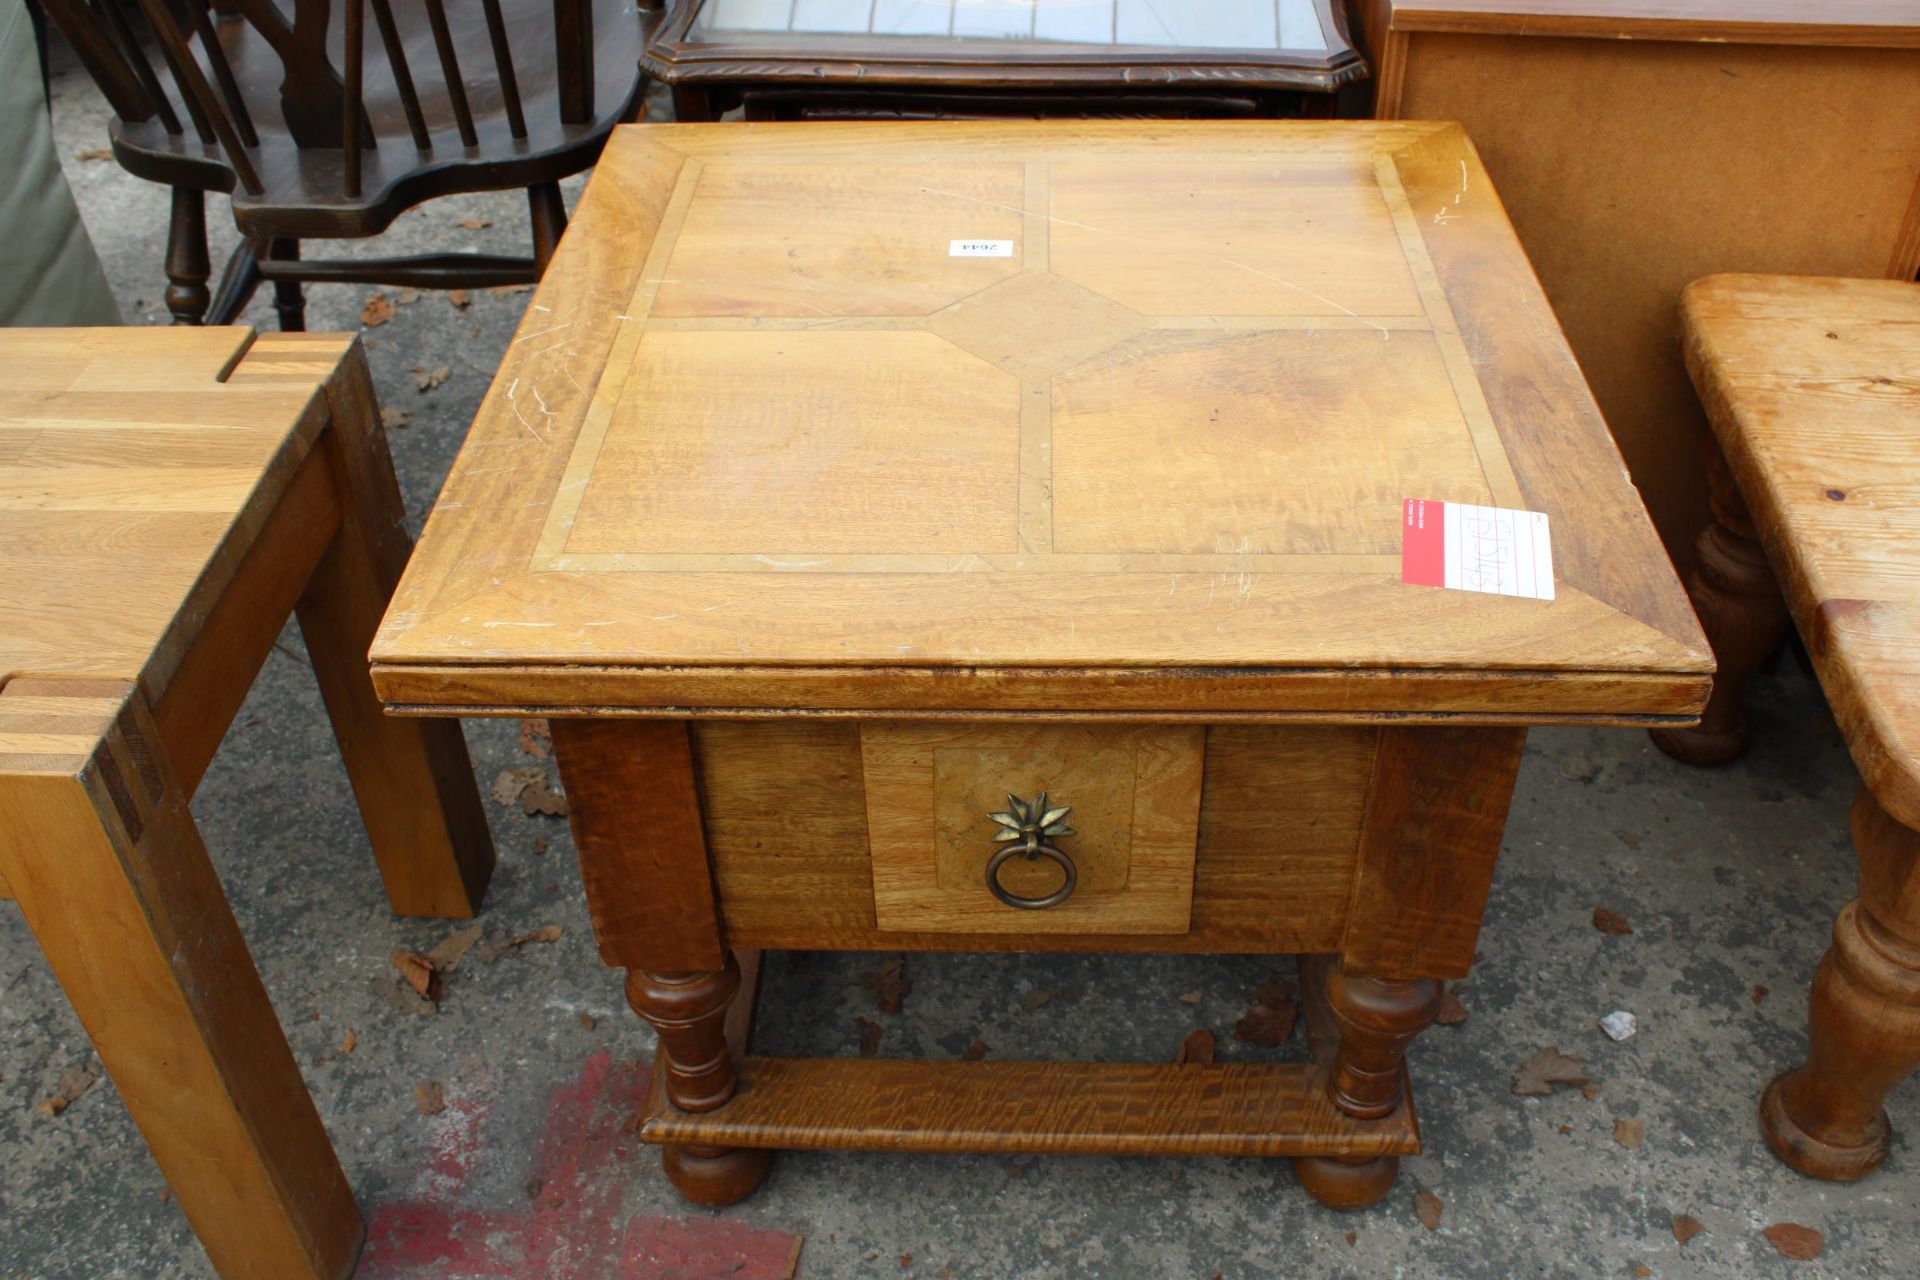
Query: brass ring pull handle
point(1033, 826)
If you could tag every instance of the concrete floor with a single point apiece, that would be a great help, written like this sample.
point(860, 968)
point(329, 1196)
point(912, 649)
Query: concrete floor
point(1729, 878)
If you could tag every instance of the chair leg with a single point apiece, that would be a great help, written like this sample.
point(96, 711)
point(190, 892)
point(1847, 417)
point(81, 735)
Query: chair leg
point(113, 879)
point(187, 266)
point(411, 777)
point(549, 213)
point(239, 279)
point(288, 300)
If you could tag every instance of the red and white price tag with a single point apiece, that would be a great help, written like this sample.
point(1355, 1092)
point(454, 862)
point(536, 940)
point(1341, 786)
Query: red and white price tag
point(1494, 550)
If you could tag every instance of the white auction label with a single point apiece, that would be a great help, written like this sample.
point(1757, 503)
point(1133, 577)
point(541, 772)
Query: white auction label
point(980, 248)
point(1494, 550)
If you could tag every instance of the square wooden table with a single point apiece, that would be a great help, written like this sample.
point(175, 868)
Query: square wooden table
point(844, 479)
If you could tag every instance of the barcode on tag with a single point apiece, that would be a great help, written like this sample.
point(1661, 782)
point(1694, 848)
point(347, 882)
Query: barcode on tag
point(1494, 550)
point(979, 248)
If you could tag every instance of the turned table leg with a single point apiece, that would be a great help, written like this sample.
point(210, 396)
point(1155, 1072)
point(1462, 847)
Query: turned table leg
point(1743, 615)
point(689, 1013)
point(1372, 1021)
point(634, 805)
point(1826, 1118)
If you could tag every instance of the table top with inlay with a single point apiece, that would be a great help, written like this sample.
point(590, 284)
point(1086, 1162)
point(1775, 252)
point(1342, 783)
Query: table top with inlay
point(1813, 388)
point(1099, 417)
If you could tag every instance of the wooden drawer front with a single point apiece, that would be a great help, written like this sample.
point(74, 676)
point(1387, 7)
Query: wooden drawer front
point(1134, 792)
point(786, 821)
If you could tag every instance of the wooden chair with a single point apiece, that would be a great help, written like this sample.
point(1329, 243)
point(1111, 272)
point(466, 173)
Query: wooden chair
point(1813, 390)
point(472, 95)
point(167, 498)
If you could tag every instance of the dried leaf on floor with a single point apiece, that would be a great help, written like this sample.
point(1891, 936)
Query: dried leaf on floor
point(975, 1051)
point(1686, 1227)
point(393, 419)
point(1269, 1021)
point(546, 933)
point(459, 299)
point(1759, 992)
point(73, 1082)
point(376, 310)
point(793, 1258)
point(509, 783)
point(404, 296)
point(430, 1097)
point(446, 957)
point(476, 224)
point(1628, 1133)
point(588, 1022)
point(427, 379)
point(503, 290)
point(1192, 997)
point(540, 846)
point(1452, 1012)
point(536, 737)
point(418, 972)
point(1428, 1207)
point(1802, 1244)
point(541, 798)
point(870, 1034)
point(1631, 839)
point(349, 1041)
point(1536, 1077)
point(1196, 1050)
point(402, 997)
point(1610, 922)
point(889, 984)
point(94, 153)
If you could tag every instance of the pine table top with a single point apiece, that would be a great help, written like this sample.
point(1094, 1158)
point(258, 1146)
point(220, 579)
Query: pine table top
point(774, 438)
point(1813, 388)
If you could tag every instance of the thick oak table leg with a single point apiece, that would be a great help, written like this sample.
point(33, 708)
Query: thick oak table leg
point(1826, 1118)
point(111, 875)
point(1435, 815)
point(1743, 614)
point(634, 804)
point(411, 777)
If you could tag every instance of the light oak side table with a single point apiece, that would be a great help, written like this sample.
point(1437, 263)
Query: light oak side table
point(167, 498)
point(988, 538)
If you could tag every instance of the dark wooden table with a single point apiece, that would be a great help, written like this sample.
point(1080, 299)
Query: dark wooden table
point(842, 481)
point(918, 59)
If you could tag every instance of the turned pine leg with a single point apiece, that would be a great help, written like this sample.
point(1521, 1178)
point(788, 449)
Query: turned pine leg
point(1743, 615)
point(411, 777)
point(1372, 1021)
point(1826, 1118)
point(114, 881)
point(688, 1011)
point(634, 804)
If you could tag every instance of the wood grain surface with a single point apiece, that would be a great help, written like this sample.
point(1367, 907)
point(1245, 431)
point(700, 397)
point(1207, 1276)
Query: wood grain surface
point(689, 479)
point(1051, 1108)
point(1134, 794)
point(1813, 389)
point(1881, 23)
point(786, 827)
point(1619, 208)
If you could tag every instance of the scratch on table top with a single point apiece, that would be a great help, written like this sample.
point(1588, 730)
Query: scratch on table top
point(1385, 334)
point(501, 622)
point(788, 564)
point(541, 333)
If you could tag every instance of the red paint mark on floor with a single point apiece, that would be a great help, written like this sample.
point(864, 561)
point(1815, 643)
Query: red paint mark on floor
point(572, 1227)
